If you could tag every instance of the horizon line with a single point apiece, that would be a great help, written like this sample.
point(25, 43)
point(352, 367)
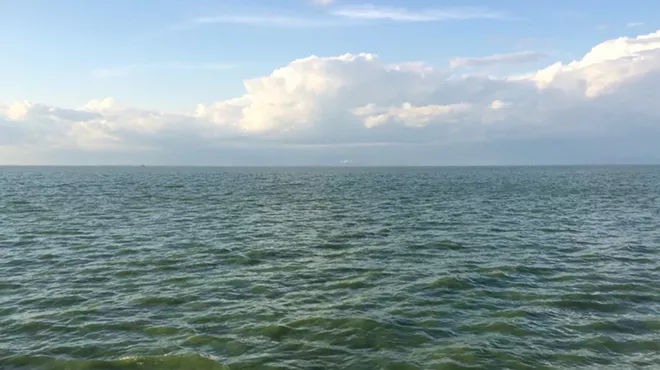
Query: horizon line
point(331, 165)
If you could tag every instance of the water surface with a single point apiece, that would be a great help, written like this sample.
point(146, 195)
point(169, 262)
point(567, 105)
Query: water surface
point(332, 268)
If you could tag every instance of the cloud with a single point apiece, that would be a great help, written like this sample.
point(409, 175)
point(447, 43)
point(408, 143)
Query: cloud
point(372, 12)
point(25, 111)
point(125, 70)
point(635, 24)
point(323, 2)
point(497, 59)
point(352, 14)
point(361, 107)
point(606, 68)
point(269, 21)
point(409, 115)
point(498, 104)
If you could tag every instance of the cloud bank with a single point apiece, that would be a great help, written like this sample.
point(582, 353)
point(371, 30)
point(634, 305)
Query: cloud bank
point(319, 110)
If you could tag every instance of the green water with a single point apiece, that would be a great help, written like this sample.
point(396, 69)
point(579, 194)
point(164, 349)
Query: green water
point(345, 268)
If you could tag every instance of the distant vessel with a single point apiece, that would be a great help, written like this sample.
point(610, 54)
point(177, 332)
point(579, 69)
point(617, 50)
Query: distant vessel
point(346, 161)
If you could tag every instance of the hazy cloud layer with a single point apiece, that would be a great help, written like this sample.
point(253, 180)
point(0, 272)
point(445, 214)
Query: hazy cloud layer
point(323, 2)
point(497, 59)
point(372, 12)
point(355, 14)
point(271, 21)
point(323, 109)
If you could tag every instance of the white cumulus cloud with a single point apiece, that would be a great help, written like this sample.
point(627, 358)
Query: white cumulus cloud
point(409, 115)
point(606, 67)
point(360, 101)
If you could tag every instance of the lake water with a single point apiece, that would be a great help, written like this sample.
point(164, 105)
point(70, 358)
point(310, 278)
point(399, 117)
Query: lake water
point(330, 268)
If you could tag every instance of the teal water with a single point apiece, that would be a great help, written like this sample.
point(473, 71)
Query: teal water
point(344, 268)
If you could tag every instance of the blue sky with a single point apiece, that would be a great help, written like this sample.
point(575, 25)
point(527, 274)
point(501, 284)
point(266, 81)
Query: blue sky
point(54, 46)
point(155, 62)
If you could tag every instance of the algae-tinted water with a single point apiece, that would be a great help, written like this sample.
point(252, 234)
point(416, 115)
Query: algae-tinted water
point(345, 268)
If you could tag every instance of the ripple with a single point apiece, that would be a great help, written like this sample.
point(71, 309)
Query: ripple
point(452, 283)
point(586, 305)
point(159, 301)
point(138, 363)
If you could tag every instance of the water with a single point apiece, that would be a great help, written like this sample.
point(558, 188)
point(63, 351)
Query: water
point(345, 268)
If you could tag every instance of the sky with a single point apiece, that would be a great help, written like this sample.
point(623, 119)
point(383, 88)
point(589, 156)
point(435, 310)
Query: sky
point(318, 82)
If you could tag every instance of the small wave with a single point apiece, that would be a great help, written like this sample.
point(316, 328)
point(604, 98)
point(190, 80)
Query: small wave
point(5, 285)
point(604, 343)
point(173, 362)
point(349, 284)
point(125, 326)
point(162, 331)
point(453, 283)
point(520, 270)
point(619, 326)
point(128, 273)
point(442, 244)
point(180, 279)
point(275, 332)
point(227, 345)
point(333, 246)
point(242, 260)
point(206, 340)
point(500, 327)
point(160, 301)
point(553, 230)
point(62, 301)
point(511, 313)
point(585, 305)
